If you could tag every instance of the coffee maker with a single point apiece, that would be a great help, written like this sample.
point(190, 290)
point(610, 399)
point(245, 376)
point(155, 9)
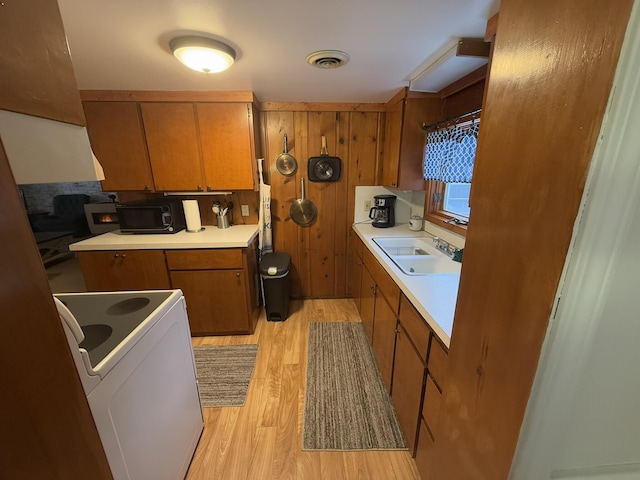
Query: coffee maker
point(383, 213)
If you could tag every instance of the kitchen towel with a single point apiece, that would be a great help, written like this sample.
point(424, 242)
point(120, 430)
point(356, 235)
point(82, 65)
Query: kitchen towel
point(265, 238)
point(192, 215)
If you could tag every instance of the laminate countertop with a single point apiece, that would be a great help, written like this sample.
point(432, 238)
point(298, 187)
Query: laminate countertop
point(236, 236)
point(433, 295)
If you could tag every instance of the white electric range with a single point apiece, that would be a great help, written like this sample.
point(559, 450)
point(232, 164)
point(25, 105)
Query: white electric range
point(135, 360)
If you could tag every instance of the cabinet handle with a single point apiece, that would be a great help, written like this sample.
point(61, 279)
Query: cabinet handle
point(238, 274)
point(147, 188)
point(124, 255)
point(199, 189)
point(116, 255)
point(208, 188)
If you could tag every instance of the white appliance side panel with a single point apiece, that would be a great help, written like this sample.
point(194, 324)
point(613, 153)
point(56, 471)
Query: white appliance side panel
point(147, 409)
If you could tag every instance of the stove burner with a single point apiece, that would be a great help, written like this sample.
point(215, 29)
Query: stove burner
point(130, 305)
point(95, 335)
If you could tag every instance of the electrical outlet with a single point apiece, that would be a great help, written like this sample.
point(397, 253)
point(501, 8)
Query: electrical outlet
point(367, 205)
point(245, 210)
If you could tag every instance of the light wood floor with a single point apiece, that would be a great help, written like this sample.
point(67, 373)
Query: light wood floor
point(263, 439)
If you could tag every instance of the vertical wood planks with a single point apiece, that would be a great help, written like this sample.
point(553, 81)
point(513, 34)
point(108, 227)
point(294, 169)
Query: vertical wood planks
point(319, 253)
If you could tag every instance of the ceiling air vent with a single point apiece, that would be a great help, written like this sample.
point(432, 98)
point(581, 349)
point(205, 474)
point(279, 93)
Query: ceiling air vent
point(328, 58)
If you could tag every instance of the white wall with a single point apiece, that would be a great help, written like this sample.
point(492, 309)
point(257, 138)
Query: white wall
point(582, 419)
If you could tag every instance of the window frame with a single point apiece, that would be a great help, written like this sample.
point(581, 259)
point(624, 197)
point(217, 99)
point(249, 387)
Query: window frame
point(434, 213)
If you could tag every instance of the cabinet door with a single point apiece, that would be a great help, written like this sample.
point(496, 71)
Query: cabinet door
point(384, 339)
point(172, 140)
point(216, 300)
point(406, 392)
point(117, 139)
point(227, 148)
point(37, 74)
point(356, 269)
point(124, 270)
point(367, 303)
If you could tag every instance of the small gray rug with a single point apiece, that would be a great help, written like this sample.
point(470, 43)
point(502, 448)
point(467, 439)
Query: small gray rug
point(224, 373)
point(346, 404)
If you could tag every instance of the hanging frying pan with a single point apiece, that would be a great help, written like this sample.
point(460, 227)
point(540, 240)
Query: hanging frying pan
point(303, 211)
point(286, 163)
point(324, 168)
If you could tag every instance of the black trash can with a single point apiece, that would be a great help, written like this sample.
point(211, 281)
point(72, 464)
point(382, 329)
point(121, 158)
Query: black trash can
point(274, 270)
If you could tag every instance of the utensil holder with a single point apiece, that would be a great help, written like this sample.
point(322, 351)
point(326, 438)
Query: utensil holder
point(223, 221)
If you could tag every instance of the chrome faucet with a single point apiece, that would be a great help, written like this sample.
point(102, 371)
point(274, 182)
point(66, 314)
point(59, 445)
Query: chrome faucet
point(449, 250)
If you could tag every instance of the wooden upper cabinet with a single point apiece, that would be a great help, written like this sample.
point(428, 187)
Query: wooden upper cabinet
point(405, 139)
point(174, 147)
point(117, 138)
point(228, 147)
point(37, 75)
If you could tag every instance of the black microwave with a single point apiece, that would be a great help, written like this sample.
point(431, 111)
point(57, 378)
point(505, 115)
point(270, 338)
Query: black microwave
point(158, 216)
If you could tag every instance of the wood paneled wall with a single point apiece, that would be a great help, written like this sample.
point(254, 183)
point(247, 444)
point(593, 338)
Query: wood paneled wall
point(319, 253)
point(548, 89)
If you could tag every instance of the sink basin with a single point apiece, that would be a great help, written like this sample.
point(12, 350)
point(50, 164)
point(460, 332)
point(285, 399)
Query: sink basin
point(405, 245)
point(424, 265)
point(416, 255)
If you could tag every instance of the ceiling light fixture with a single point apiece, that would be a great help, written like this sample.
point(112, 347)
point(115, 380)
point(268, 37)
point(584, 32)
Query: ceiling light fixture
point(203, 54)
point(328, 58)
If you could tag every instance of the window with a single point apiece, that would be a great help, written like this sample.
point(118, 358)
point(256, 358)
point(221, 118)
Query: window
point(449, 156)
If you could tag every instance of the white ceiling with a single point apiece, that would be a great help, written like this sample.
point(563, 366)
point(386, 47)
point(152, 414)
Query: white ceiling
point(123, 45)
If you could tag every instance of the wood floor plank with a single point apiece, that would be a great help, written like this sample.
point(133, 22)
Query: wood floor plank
point(263, 439)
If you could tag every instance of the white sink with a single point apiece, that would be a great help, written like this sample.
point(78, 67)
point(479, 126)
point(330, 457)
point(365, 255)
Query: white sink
point(416, 255)
point(424, 265)
point(405, 245)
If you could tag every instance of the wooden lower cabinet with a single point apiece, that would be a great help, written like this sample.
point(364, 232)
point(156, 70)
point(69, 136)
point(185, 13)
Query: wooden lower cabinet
point(384, 339)
point(424, 452)
point(356, 286)
point(215, 300)
point(124, 270)
point(408, 381)
point(220, 286)
point(367, 302)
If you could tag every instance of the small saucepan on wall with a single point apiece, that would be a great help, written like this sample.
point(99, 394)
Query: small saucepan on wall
point(286, 163)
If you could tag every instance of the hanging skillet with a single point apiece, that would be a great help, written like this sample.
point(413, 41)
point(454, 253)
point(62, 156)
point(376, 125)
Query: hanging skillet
point(324, 168)
point(286, 163)
point(303, 211)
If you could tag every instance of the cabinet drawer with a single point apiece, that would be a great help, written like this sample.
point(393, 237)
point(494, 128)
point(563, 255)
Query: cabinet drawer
point(357, 244)
point(437, 364)
point(415, 326)
point(424, 452)
point(383, 280)
point(431, 404)
point(204, 259)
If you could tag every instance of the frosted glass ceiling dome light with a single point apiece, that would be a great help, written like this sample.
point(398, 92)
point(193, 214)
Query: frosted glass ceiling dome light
point(203, 54)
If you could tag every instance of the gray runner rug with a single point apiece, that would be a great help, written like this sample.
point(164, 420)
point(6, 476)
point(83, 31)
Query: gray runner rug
point(346, 404)
point(224, 373)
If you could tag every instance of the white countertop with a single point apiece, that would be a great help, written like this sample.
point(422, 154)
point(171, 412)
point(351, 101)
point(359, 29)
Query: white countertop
point(236, 236)
point(434, 296)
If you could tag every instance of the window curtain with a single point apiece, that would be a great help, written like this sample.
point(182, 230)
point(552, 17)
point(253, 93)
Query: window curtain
point(449, 153)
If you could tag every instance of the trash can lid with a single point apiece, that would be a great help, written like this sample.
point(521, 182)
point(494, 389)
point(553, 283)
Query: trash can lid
point(275, 263)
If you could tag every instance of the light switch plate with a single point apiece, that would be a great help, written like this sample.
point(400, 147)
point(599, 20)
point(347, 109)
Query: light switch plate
point(245, 210)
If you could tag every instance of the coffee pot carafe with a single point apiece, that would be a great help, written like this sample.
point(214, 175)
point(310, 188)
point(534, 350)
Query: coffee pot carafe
point(383, 211)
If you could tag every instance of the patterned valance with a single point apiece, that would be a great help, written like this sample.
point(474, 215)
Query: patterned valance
point(449, 153)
